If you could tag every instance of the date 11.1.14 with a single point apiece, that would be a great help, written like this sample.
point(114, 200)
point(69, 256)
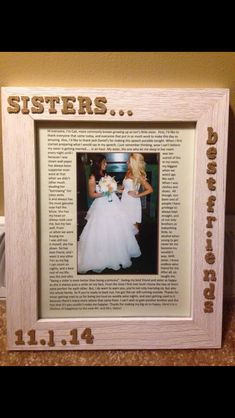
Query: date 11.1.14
point(50, 342)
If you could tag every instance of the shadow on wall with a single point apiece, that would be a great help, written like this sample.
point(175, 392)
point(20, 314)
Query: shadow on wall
point(230, 186)
point(1, 169)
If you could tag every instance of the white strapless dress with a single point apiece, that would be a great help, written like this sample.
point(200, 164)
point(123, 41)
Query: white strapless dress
point(131, 205)
point(108, 239)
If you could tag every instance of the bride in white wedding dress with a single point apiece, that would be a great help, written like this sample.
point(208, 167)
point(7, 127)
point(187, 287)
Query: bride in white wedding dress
point(135, 177)
point(108, 239)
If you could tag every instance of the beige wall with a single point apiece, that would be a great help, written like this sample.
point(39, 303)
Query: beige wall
point(125, 69)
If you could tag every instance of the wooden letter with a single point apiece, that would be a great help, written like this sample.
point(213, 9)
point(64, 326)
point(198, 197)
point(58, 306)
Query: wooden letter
point(209, 245)
point(210, 203)
point(101, 108)
point(15, 107)
point(212, 136)
point(84, 103)
point(209, 275)
point(210, 219)
point(209, 292)
point(211, 153)
point(211, 184)
point(52, 101)
point(37, 102)
point(25, 100)
point(67, 106)
point(211, 167)
point(210, 258)
point(208, 307)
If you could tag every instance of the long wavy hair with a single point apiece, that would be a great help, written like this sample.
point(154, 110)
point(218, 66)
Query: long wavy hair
point(96, 166)
point(137, 167)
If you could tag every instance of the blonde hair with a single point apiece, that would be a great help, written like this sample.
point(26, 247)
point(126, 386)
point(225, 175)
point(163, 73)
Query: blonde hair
point(137, 165)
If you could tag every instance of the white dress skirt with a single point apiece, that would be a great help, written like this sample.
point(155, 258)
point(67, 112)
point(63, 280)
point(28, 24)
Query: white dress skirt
point(108, 239)
point(130, 204)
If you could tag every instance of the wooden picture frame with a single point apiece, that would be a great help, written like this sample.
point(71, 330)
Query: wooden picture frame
point(22, 109)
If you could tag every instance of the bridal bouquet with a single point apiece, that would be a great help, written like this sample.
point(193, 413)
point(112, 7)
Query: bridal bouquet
point(107, 185)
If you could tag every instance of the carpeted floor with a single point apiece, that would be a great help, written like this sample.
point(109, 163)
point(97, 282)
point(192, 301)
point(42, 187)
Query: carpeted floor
point(217, 357)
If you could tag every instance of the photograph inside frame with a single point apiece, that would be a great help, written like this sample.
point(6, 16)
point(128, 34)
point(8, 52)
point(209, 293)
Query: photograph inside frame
point(115, 218)
point(117, 207)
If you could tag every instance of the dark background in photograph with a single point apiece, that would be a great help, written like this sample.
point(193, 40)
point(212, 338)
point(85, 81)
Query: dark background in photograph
point(147, 263)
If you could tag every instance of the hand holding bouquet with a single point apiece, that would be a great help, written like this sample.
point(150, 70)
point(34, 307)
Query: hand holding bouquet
point(107, 185)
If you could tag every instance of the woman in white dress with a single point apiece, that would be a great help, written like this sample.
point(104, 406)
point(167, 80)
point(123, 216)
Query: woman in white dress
point(108, 239)
point(135, 177)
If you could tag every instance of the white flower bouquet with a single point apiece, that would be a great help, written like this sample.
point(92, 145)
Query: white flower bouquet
point(107, 185)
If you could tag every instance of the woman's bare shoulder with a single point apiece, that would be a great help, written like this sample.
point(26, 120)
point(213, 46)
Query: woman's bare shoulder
point(143, 179)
